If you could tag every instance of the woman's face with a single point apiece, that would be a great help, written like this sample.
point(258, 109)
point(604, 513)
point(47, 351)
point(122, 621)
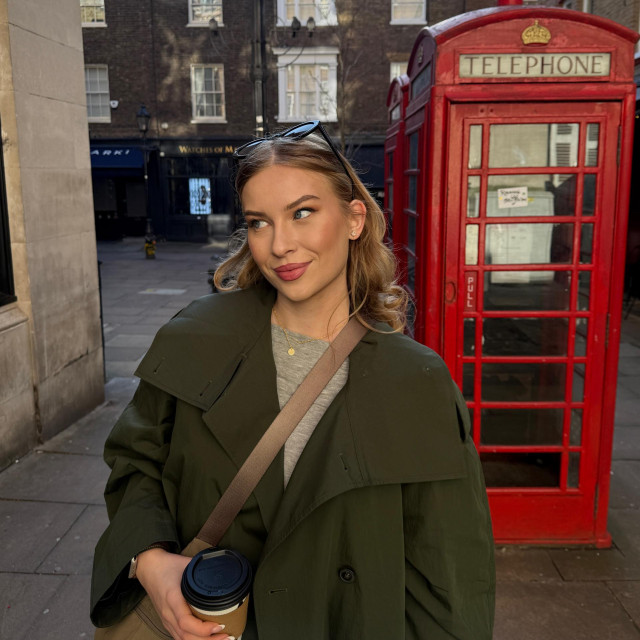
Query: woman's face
point(299, 233)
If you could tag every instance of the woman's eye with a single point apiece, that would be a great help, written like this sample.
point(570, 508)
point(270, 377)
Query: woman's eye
point(256, 224)
point(302, 213)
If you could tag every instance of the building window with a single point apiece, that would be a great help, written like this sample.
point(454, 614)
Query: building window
point(92, 13)
point(322, 11)
point(201, 11)
point(207, 93)
point(6, 273)
point(398, 68)
point(307, 85)
point(408, 11)
point(96, 82)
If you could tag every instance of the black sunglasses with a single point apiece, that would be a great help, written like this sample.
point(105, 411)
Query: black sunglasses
point(296, 133)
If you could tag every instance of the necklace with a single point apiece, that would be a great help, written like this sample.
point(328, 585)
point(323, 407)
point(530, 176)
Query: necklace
point(291, 351)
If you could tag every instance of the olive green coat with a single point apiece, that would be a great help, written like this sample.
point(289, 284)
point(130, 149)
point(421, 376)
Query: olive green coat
point(383, 530)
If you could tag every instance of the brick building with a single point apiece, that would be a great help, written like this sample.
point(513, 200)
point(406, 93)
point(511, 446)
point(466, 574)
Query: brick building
point(625, 12)
point(213, 73)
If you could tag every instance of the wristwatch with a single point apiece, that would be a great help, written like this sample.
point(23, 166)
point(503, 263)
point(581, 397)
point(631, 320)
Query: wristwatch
point(133, 566)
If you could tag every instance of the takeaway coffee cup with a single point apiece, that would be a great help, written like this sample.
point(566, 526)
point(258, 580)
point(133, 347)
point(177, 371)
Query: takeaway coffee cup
point(216, 585)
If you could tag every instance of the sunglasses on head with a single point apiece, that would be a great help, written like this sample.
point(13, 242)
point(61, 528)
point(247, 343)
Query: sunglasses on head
point(296, 133)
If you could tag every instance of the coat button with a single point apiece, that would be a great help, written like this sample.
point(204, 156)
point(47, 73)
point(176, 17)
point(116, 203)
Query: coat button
point(347, 574)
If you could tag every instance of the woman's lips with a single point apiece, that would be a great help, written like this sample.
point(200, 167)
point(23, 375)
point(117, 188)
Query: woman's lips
point(291, 271)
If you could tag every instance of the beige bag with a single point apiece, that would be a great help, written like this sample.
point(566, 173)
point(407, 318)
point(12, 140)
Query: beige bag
point(143, 623)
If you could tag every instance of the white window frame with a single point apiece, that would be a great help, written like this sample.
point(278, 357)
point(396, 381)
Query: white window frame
point(93, 25)
point(421, 20)
point(213, 119)
point(393, 72)
point(317, 55)
point(104, 119)
point(204, 23)
point(321, 20)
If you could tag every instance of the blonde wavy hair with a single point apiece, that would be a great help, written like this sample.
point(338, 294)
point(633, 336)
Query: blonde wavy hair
point(374, 294)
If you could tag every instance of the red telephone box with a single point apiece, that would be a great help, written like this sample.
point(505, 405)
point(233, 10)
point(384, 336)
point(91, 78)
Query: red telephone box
point(510, 174)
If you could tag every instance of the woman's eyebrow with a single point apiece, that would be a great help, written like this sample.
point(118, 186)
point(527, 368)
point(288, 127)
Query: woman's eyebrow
point(300, 200)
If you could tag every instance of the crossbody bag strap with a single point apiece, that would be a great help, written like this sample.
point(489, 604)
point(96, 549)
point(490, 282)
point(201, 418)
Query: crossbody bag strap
point(280, 429)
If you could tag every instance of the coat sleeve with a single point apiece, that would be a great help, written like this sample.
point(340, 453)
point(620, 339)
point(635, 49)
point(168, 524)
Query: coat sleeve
point(449, 559)
point(136, 451)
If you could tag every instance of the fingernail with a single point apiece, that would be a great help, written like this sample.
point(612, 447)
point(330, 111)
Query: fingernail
point(217, 629)
point(231, 638)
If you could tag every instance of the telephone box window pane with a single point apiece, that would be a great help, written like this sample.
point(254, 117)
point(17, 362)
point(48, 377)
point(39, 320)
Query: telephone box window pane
point(411, 233)
point(470, 409)
point(525, 336)
point(582, 325)
point(390, 171)
point(575, 436)
point(413, 192)
point(521, 469)
point(533, 145)
point(589, 194)
point(528, 243)
point(471, 245)
point(584, 290)
point(469, 336)
point(473, 196)
point(411, 272)
point(527, 290)
point(578, 382)
point(413, 151)
point(526, 427)
point(475, 146)
point(523, 382)
point(591, 150)
point(586, 244)
point(573, 479)
point(468, 380)
point(531, 195)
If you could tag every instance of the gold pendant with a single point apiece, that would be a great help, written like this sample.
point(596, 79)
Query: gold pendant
point(291, 351)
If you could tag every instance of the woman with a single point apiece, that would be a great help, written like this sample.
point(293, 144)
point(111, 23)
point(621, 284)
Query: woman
point(373, 520)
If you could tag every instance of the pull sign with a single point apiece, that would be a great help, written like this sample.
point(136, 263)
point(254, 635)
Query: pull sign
point(470, 290)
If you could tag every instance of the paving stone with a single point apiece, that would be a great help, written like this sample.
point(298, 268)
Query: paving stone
point(124, 354)
point(67, 613)
point(137, 329)
point(628, 595)
point(30, 530)
point(629, 366)
point(22, 598)
point(595, 564)
point(629, 350)
point(531, 565)
point(625, 484)
point(627, 413)
point(630, 384)
point(121, 369)
point(560, 611)
point(128, 340)
point(55, 477)
point(626, 443)
point(624, 526)
point(74, 553)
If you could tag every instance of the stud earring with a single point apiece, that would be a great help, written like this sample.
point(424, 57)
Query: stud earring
point(353, 233)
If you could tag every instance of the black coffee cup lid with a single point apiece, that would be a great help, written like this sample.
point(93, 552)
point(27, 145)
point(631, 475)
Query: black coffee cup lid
point(216, 579)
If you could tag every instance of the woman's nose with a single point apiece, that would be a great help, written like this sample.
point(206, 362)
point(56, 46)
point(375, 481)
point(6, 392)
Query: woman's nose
point(283, 240)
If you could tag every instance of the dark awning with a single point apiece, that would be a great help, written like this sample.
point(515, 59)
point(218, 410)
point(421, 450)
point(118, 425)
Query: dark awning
point(116, 157)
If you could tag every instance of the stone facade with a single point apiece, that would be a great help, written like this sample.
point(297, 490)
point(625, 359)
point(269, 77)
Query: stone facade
point(626, 13)
point(51, 370)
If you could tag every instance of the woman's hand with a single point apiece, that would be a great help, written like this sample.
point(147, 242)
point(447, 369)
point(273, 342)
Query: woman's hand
point(160, 573)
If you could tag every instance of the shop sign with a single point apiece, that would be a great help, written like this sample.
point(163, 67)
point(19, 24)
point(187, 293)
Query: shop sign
point(534, 65)
point(203, 150)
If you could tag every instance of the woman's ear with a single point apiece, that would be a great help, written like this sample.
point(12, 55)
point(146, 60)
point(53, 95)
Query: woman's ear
point(357, 217)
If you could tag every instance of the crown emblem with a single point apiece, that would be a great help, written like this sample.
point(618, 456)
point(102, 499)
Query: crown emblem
point(535, 34)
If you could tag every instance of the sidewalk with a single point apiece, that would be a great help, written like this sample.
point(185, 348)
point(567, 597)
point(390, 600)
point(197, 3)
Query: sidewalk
point(52, 512)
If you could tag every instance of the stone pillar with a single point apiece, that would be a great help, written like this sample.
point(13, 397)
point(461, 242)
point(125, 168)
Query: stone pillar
point(51, 370)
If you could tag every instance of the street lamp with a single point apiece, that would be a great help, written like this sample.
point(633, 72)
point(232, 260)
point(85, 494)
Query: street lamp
point(143, 117)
